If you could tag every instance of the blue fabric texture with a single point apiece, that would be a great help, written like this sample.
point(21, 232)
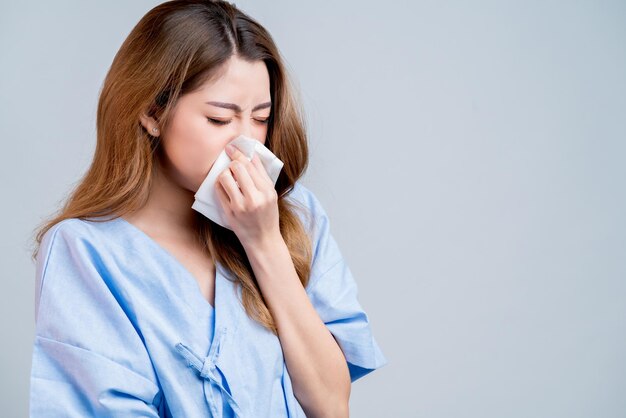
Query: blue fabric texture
point(123, 330)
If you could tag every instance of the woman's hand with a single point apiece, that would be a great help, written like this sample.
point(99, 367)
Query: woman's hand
point(249, 199)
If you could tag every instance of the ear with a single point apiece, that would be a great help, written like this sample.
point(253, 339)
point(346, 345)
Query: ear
point(150, 125)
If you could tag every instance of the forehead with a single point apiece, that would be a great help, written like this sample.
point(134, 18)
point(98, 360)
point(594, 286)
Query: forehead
point(239, 80)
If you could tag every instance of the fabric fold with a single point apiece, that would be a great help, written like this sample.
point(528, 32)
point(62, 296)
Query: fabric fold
point(216, 380)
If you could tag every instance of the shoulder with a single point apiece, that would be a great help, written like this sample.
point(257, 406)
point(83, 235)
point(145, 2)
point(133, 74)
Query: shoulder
point(326, 252)
point(77, 253)
point(304, 195)
point(73, 231)
point(310, 208)
point(64, 231)
point(79, 241)
point(63, 237)
point(70, 227)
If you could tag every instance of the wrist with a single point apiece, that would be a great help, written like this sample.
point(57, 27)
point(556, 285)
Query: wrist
point(268, 243)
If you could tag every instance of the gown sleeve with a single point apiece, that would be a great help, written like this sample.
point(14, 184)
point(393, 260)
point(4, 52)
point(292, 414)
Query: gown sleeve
point(88, 359)
point(332, 290)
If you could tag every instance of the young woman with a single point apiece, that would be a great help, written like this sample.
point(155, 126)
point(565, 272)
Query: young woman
point(144, 307)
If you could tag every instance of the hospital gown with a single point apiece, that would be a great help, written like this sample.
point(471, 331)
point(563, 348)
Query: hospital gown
point(122, 328)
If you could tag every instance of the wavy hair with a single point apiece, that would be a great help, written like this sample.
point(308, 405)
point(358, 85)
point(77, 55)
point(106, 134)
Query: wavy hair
point(173, 50)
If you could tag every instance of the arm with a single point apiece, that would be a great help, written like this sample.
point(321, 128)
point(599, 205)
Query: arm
point(316, 364)
point(324, 333)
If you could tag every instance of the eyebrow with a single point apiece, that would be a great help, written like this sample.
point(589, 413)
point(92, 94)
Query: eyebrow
point(236, 108)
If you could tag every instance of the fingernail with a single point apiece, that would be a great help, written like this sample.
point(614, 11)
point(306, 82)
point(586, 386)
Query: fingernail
point(229, 148)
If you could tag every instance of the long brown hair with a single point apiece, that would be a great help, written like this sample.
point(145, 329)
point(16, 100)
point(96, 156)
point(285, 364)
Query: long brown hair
point(173, 50)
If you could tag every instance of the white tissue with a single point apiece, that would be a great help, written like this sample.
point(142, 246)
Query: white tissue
point(206, 198)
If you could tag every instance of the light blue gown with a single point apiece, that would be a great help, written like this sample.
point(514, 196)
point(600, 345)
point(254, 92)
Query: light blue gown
point(122, 329)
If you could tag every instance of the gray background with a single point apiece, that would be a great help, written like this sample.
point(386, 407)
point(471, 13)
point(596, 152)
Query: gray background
point(471, 158)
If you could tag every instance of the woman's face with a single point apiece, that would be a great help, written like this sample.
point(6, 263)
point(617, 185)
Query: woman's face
point(199, 131)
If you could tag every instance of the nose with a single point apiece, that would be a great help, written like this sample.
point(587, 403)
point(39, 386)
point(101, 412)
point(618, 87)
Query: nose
point(246, 129)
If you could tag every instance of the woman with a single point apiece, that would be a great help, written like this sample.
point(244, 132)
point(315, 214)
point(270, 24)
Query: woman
point(144, 307)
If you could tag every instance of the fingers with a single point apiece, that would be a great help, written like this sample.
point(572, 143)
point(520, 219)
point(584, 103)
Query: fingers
point(223, 197)
point(256, 161)
point(230, 187)
point(242, 174)
point(250, 174)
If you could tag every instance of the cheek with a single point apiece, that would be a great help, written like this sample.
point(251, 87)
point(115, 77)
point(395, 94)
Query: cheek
point(191, 147)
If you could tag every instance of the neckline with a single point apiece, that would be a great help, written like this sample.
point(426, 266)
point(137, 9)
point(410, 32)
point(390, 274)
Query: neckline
point(180, 266)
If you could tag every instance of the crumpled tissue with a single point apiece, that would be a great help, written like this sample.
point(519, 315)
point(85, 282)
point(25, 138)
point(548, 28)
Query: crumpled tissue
point(206, 200)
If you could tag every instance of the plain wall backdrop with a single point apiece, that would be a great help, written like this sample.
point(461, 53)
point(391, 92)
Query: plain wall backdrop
point(471, 157)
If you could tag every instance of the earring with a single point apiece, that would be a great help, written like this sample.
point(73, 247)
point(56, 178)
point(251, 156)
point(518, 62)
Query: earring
point(155, 130)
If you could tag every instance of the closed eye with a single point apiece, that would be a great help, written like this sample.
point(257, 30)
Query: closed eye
point(226, 122)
